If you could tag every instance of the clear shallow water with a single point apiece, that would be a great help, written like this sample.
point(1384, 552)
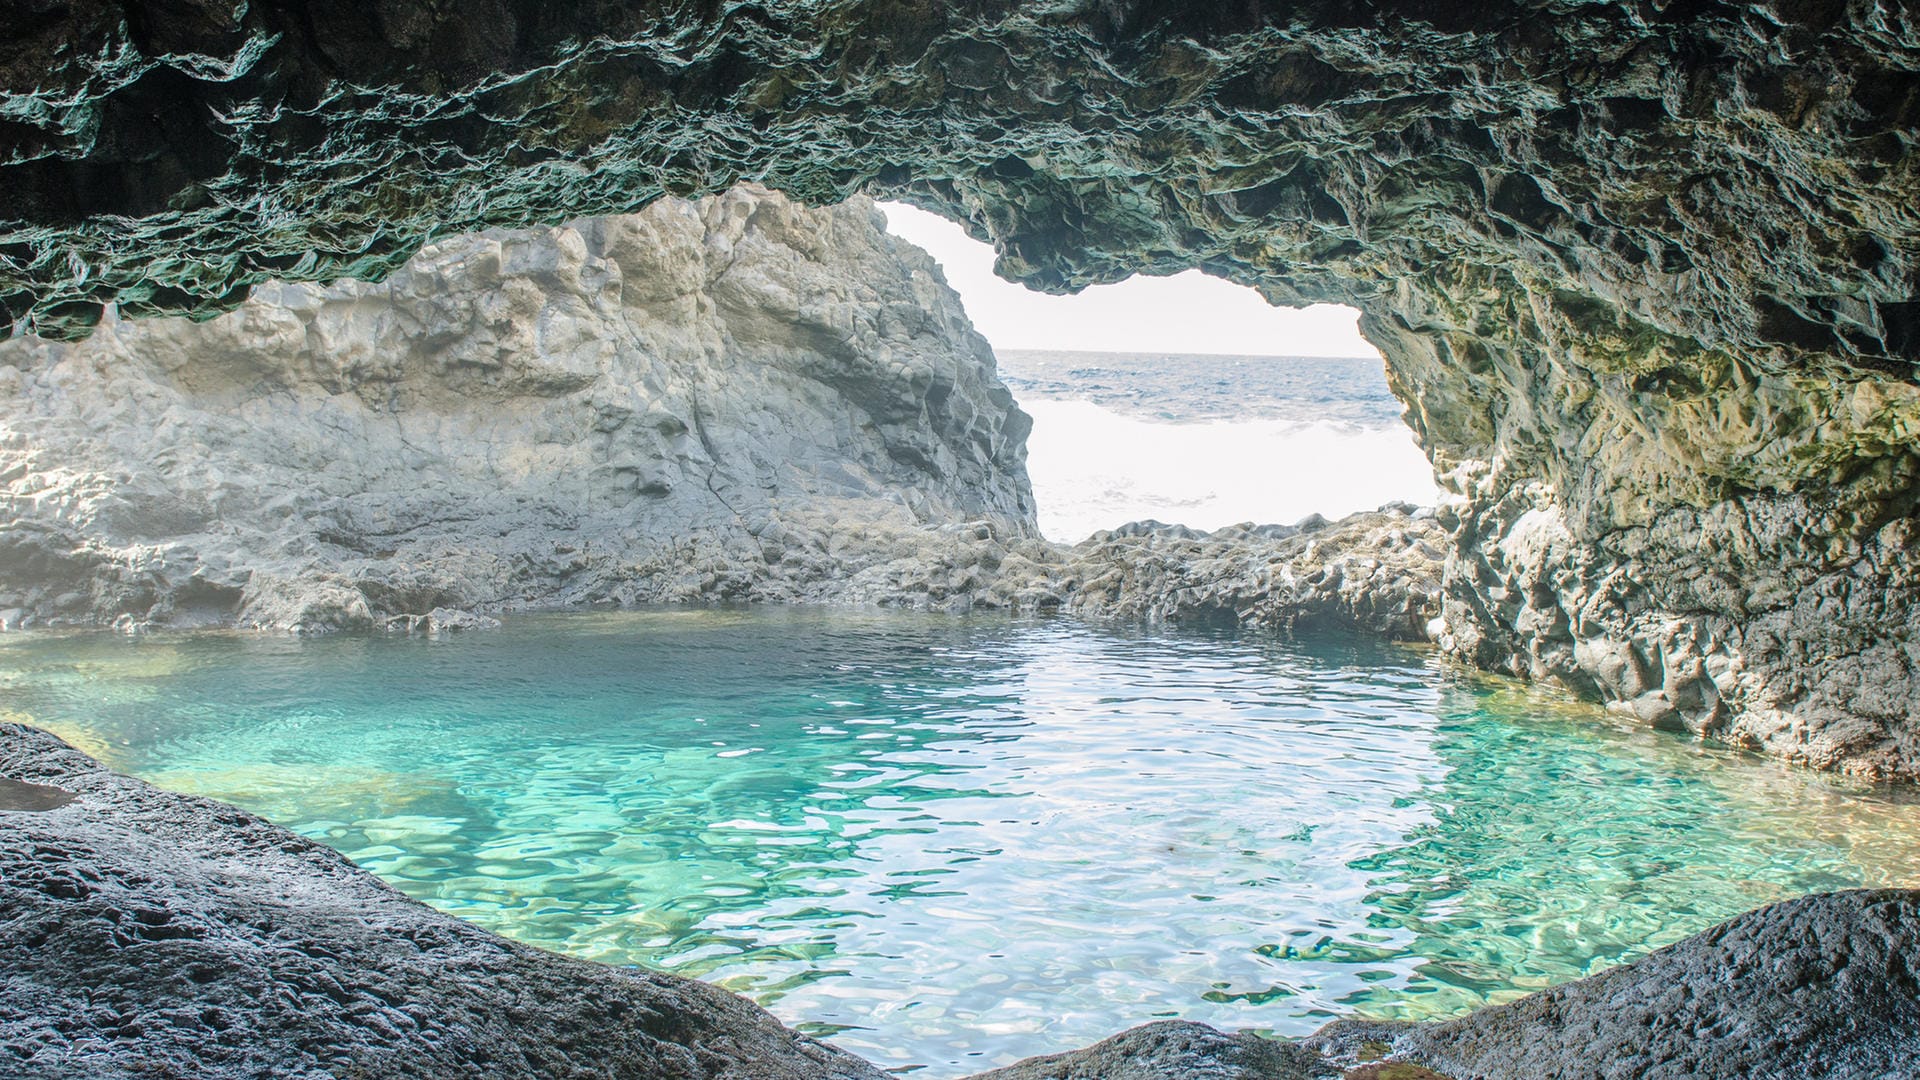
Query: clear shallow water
point(954, 842)
point(1209, 441)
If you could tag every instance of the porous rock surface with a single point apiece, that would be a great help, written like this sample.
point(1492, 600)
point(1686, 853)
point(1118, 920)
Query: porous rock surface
point(1174, 1050)
point(1376, 571)
point(1647, 273)
point(732, 398)
point(147, 933)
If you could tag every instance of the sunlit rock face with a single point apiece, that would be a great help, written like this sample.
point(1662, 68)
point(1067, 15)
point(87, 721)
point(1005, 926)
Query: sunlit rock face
point(1646, 272)
point(701, 401)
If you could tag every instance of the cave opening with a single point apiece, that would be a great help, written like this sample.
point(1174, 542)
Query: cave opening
point(1185, 400)
point(898, 830)
point(1645, 275)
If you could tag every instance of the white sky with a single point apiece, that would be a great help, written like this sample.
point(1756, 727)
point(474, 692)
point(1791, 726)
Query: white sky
point(1186, 313)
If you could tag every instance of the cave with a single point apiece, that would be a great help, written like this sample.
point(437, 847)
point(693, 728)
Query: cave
point(1646, 274)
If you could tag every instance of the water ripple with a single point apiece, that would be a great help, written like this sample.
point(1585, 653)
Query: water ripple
point(948, 843)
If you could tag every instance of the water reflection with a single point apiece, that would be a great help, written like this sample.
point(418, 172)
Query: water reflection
point(1564, 842)
point(954, 842)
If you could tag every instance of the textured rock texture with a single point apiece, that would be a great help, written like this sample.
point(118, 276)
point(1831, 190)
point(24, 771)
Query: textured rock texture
point(145, 933)
point(1645, 271)
point(712, 399)
point(1174, 1050)
point(1377, 572)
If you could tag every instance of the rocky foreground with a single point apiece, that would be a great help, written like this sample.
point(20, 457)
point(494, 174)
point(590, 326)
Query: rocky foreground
point(149, 934)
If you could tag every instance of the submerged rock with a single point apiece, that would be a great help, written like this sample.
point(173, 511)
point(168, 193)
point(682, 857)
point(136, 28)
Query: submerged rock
point(148, 933)
point(440, 621)
point(19, 796)
point(1821, 986)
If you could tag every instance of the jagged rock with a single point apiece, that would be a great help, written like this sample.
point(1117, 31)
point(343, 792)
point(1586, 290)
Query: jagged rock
point(1377, 572)
point(440, 621)
point(144, 933)
point(1174, 1050)
point(680, 404)
point(1648, 275)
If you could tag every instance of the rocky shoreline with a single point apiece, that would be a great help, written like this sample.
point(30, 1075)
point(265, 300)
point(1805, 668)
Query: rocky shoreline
point(735, 398)
point(1376, 572)
point(1646, 275)
point(149, 933)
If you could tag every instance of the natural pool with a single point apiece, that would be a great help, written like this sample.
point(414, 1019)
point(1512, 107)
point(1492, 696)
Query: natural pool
point(952, 842)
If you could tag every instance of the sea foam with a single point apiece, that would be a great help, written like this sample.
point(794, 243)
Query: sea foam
point(1208, 441)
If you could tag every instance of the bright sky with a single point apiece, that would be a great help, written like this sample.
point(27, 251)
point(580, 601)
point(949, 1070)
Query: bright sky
point(1186, 313)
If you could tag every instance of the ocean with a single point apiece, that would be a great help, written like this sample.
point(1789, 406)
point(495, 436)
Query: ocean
point(1208, 441)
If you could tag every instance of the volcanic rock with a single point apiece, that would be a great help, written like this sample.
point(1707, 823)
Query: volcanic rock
point(707, 400)
point(1820, 986)
point(144, 933)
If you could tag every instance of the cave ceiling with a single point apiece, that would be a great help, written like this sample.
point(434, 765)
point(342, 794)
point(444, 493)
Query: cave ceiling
point(1740, 175)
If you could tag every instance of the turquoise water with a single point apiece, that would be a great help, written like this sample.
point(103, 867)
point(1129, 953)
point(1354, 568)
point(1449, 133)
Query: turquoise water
point(949, 842)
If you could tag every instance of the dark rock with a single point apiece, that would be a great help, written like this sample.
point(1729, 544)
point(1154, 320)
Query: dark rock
point(1173, 1050)
point(1822, 986)
point(31, 798)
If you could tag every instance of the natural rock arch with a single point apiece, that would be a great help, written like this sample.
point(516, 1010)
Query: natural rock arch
point(1646, 272)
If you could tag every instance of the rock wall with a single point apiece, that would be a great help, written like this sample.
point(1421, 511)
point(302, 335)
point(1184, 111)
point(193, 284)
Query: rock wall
point(736, 398)
point(1649, 273)
point(706, 399)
